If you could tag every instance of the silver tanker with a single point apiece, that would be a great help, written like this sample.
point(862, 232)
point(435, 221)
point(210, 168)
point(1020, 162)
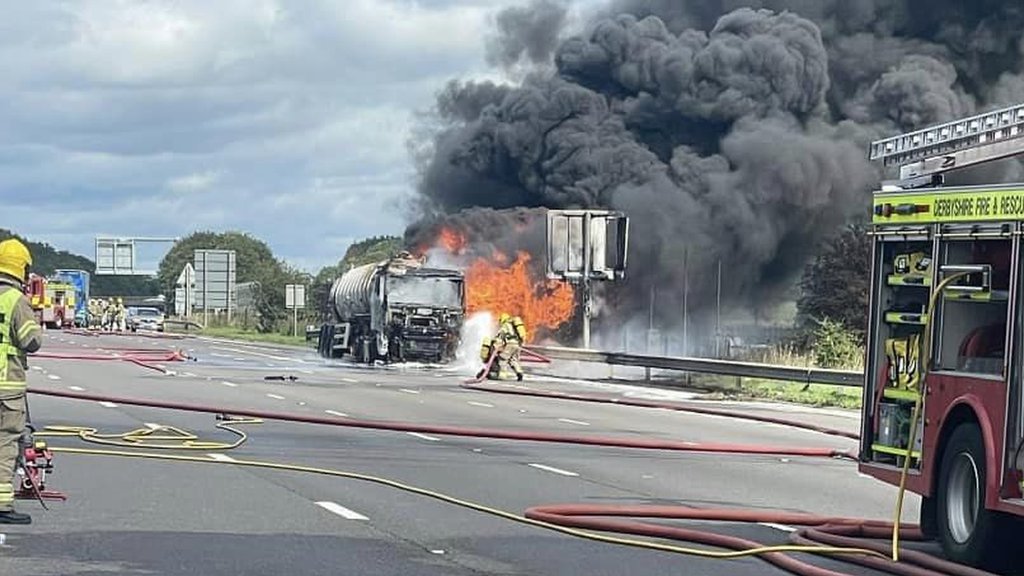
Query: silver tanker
point(396, 310)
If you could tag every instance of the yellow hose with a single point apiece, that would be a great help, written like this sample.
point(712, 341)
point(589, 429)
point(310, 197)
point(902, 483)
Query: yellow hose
point(915, 417)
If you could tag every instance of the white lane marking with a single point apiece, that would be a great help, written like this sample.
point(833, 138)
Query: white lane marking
point(336, 413)
point(480, 404)
point(407, 391)
point(152, 426)
point(275, 396)
point(423, 436)
point(76, 388)
point(304, 371)
point(781, 527)
point(350, 380)
point(53, 377)
point(219, 355)
point(554, 470)
point(229, 384)
point(571, 421)
point(221, 458)
point(108, 404)
point(341, 511)
point(239, 359)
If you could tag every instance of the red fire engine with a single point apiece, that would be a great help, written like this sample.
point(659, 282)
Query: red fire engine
point(943, 409)
point(53, 302)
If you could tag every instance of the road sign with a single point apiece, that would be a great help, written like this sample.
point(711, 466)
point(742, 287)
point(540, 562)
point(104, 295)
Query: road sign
point(294, 296)
point(118, 256)
point(185, 291)
point(585, 246)
point(215, 280)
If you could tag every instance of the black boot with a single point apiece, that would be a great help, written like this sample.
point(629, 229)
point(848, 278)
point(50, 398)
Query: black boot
point(519, 376)
point(12, 517)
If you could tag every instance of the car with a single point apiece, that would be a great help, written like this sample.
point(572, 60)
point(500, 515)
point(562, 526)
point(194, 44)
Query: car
point(146, 319)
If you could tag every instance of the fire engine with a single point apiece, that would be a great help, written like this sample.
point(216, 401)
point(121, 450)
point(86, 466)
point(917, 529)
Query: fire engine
point(52, 301)
point(943, 410)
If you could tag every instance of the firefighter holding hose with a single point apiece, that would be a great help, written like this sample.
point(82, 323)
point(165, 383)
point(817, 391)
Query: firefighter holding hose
point(19, 334)
point(508, 343)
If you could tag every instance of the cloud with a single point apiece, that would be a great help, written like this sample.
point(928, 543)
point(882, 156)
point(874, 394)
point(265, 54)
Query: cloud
point(287, 119)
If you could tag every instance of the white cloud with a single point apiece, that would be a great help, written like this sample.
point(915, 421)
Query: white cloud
point(287, 119)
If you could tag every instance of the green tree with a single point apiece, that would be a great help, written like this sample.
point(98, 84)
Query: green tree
point(836, 284)
point(46, 259)
point(254, 262)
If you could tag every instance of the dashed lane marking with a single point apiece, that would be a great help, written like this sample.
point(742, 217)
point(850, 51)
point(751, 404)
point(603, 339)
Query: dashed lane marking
point(423, 436)
point(341, 511)
point(576, 422)
point(336, 413)
point(221, 458)
point(480, 404)
point(106, 404)
point(229, 384)
point(781, 527)
point(275, 396)
point(53, 377)
point(350, 380)
point(408, 391)
point(553, 470)
point(76, 388)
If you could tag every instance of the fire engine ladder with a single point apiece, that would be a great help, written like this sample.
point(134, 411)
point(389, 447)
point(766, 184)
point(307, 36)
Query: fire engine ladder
point(924, 155)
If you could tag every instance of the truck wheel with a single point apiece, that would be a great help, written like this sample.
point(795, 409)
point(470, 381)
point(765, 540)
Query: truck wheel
point(969, 533)
point(929, 517)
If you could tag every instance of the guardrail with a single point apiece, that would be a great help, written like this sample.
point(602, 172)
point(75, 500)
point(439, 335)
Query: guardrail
point(707, 366)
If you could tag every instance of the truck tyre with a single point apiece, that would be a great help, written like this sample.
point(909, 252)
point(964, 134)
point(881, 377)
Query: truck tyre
point(929, 517)
point(969, 533)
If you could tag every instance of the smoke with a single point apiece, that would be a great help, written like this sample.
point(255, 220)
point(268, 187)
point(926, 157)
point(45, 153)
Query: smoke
point(729, 135)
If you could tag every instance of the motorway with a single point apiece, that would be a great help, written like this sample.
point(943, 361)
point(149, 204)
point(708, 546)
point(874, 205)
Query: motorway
point(138, 516)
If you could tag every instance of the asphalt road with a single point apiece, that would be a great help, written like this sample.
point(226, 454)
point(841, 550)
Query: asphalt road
point(135, 516)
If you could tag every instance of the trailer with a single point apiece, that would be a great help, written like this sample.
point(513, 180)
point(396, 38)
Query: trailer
point(396, 310)
point(943, 405)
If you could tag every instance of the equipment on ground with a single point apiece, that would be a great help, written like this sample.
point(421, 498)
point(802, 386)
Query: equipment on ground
point(35, 461)
point(943, 411)
point(396, 310)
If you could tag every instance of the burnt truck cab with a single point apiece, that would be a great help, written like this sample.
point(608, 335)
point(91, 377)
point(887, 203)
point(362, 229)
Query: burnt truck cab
point(421, 314)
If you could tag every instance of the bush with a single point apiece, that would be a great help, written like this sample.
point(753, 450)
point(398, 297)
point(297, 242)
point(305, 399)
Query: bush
point(836, 346)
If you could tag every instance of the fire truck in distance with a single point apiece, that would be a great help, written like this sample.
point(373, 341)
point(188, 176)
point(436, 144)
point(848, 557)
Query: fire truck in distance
point(53, 301)
point(943, 406)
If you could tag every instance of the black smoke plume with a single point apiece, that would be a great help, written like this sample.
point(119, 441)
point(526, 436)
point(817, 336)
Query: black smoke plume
point(728, 135)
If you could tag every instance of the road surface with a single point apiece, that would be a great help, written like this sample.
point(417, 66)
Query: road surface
point(133, 516)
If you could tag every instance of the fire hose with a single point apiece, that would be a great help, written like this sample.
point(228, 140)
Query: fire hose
point(841, 538)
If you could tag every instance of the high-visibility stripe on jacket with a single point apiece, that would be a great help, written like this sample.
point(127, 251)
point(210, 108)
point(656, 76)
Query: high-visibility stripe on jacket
point(17, 327)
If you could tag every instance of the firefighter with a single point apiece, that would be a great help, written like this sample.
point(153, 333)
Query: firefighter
point(19, 334)
point(120, 316)
point(509, 340)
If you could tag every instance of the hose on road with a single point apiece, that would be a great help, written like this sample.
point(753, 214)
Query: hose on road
point(840, 538)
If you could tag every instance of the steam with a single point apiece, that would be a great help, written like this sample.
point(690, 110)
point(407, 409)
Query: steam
point(737, 137)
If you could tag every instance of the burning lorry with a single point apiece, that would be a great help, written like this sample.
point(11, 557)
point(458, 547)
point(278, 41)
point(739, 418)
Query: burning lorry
point(396, 310)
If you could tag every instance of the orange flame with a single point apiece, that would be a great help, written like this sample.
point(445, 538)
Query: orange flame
point(496, 284)
point(496, 289)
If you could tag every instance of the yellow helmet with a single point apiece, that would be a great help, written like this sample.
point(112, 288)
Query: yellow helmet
point(505, 317)
point(119, 301)
point(15, 259)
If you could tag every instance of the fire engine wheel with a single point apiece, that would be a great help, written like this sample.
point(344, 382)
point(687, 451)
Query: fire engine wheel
point(969, 533)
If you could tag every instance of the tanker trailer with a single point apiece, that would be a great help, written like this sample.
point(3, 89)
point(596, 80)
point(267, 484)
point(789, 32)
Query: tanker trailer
point(397, 310)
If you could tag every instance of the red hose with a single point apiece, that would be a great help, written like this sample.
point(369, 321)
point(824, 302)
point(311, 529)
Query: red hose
point(472, 385)
point(144, 360)
point(826, 530)
point(642, 443)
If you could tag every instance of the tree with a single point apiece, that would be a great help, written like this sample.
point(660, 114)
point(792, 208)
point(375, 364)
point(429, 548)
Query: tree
point(836, 284)
point(254, 262)
point(46, 259)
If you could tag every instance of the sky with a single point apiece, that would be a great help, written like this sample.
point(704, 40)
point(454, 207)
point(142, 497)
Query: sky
point(286, 119)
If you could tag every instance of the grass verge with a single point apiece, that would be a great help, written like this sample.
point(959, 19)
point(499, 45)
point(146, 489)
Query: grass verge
point(821, 395)
point(250, 336)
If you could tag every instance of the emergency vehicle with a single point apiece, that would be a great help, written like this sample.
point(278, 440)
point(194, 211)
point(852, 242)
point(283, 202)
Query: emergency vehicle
point(52, 301)
point(943, 409)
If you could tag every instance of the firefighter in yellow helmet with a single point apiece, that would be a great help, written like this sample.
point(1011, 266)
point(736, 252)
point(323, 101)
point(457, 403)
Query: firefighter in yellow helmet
point(19, 334)
point(120, 316)
point(509, 341)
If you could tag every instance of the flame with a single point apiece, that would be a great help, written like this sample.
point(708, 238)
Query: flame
point(496, 287)
point(495, 284)
point(452, 241)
